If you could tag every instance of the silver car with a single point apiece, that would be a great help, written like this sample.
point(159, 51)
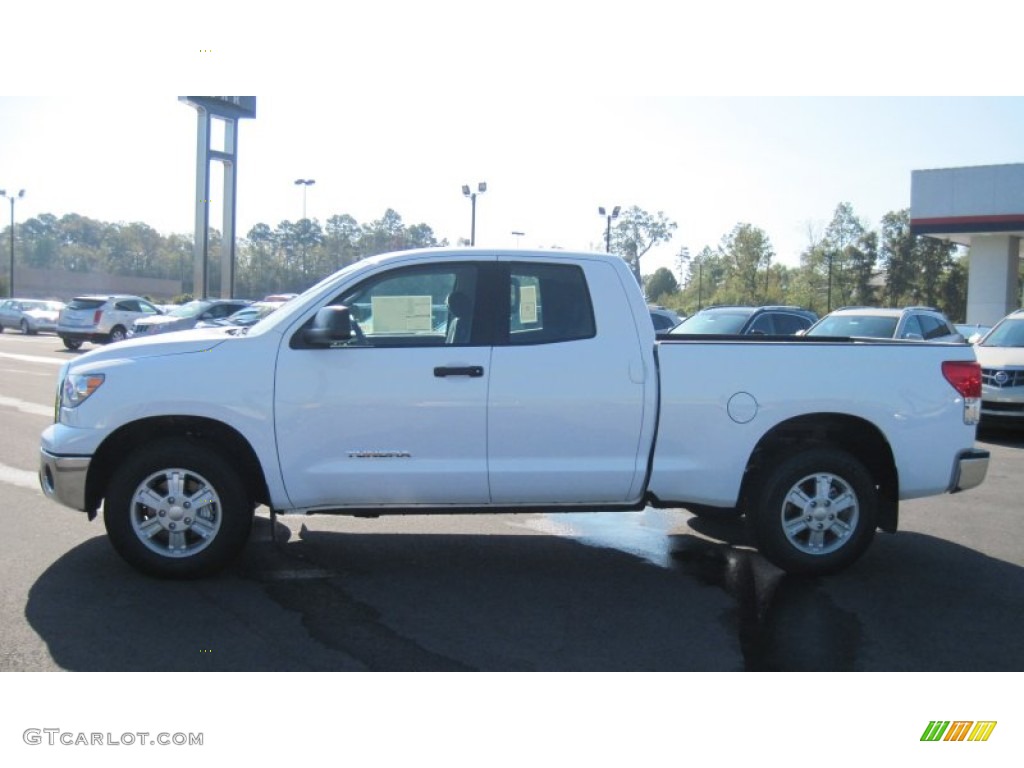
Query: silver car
point(29, 315)
point(1001, 356)
point(910, 323)
point(101, 319)
point(187, 315)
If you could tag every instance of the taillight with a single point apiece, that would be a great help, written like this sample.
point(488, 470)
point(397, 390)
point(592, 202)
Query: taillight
point(97, 315)
point(964, 376)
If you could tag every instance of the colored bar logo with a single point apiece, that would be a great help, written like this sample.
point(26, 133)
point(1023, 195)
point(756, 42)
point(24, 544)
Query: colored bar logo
point(959, 730)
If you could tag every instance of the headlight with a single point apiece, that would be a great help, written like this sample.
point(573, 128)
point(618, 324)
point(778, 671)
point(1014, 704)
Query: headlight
point(78, 387)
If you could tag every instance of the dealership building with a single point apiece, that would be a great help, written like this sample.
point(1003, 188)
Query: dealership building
point(980, 207)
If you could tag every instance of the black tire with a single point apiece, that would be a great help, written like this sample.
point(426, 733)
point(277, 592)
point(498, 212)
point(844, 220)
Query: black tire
point(177, 510)
point(117, 333)
point(23, 327)
point(71, 343)
point(814, 512)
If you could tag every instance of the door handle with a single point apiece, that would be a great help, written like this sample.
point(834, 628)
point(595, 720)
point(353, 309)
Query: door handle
point(473, 371)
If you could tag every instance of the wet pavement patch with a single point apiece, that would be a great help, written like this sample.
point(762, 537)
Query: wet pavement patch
point(785, 623)
point(330, 615)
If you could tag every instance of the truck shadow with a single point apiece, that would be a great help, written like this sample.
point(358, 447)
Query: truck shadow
point(913, 602)
point(1010, 437)
point(325, 600)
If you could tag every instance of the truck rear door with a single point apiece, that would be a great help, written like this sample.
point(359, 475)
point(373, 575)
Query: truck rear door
point(569, 388)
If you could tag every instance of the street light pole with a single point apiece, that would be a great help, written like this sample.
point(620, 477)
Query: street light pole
point(608, 229)
point(12, 197)
point(517, 235)
point(480, 189)
point(305, 184)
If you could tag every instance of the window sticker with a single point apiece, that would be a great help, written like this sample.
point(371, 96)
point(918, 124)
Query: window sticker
point(401, 314)
point(528, 304)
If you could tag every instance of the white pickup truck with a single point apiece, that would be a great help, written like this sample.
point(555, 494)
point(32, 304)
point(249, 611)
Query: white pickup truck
point(471, 380)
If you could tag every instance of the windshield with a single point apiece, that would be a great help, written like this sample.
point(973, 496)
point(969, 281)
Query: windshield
point(871, 326)
point(289, 309)
point(713, 322)
point(86, 303)
point(1009, 333)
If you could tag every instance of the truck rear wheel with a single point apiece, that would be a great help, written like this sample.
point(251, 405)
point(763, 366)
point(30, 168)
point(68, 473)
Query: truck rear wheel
point(814, 512)
point(176, 509)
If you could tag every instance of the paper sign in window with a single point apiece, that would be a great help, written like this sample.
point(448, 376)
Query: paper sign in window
point(401, 314)
point(528, 304)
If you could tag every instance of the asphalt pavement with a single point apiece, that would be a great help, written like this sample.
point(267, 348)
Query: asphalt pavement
point(643, 591)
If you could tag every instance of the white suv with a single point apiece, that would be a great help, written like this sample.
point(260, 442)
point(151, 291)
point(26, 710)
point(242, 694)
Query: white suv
point(101, 319)
point(1001, 355)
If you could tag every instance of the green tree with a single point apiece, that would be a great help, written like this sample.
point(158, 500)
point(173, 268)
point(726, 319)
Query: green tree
point(705, 273)
point(897, 255)
point(661, 283)
point(636, 231)
point(342, 240)
point(41, 241)
point(747, 256)
point(843, 257)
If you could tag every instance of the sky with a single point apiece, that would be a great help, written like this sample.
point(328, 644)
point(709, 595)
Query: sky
point(780, 163)
point(386, 107)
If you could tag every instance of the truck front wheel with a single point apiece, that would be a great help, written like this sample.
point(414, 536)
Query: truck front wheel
point(814, 512)
point(176, 509)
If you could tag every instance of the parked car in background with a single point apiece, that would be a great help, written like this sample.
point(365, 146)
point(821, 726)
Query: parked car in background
point(664, 319)
point(973, 333)
point(1001, 355)
point(187, 316)
point(101, 319)
point(29, 315)
point(762, 321)
point(913, 323)
point(244, 317)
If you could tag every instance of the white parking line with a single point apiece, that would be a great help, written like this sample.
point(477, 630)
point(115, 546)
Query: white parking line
point(26, 372)
point(26, 407)
point(19, 477)
point(33, 358)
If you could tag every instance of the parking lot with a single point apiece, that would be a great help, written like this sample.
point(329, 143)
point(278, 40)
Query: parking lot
point(651, 590)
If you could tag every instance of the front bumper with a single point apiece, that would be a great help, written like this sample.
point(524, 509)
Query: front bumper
point(62, 478)
point(969, 470)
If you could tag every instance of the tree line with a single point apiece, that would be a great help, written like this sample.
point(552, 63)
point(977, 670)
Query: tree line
point(847, 263)
point(285, 259)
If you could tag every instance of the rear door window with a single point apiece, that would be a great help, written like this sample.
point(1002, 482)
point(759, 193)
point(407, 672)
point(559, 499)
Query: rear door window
point(548, 303)
point(788, 324)
point(933, 328)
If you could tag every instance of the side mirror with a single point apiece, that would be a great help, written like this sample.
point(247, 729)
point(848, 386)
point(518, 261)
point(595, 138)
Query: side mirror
point(331, 324)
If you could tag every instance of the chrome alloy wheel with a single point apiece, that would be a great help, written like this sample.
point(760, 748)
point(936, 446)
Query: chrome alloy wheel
point(176, 512)
point(820, 513)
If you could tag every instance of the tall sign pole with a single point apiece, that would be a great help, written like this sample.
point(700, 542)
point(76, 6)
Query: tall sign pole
point(229, 109)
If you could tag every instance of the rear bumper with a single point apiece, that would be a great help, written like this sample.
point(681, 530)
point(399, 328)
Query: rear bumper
point(81, 335)
point(969, 470)
point(62, 478)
